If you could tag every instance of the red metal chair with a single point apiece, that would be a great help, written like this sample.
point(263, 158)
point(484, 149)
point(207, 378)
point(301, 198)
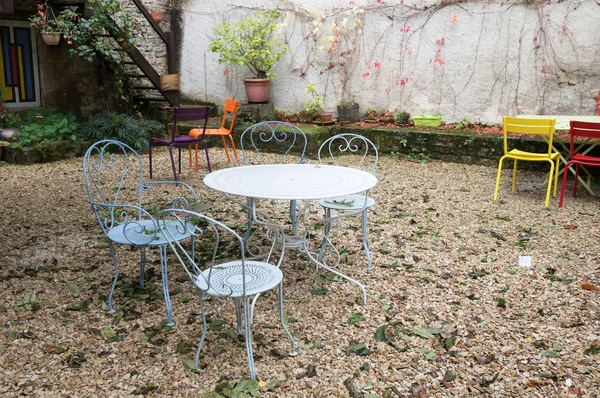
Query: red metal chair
point(579, 129)
point(199, 114)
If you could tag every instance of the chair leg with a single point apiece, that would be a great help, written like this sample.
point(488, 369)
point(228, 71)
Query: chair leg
point(556, 171)
point(150, 157)
point(251, 205)
point(234, 150)
point(142, 265)
point(173, 163)
point(293, 352)
point(326, 229)
point(564, 184)
point(498, 178)
point(190, 155)
point(238, 315)
point(549, 183)
point(248, 338)
point(576, 180)
point(207, 157)
point(179, 159)
point(293, 216)
point(226, 149)
point(204, 329)
point(114, 284)
point(514, 180)
point(165, 284)
point(366, 239)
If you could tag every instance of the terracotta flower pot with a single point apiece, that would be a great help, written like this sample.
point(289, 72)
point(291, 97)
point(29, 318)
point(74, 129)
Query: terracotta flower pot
point(257, 90)
point(326, 116)
point(157, 15)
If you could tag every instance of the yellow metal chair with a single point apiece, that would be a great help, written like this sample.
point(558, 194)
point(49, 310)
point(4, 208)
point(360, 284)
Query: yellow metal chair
point(543, 127)
point(229, 113)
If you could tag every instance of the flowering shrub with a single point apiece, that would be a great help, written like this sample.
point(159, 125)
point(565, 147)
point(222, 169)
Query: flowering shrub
point(46, 20)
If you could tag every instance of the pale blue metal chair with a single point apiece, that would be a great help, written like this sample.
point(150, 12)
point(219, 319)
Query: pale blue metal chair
point(113, 176)
point(285, 140)
point(351, 150)
point(221, 269)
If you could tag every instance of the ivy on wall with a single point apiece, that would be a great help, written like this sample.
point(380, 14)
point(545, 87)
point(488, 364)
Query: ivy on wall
point(480, 59)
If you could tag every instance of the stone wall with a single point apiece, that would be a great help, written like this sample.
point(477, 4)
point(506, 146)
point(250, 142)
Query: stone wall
point(461, 58)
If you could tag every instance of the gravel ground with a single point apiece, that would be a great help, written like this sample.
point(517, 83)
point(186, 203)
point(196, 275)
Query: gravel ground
point(450, 311)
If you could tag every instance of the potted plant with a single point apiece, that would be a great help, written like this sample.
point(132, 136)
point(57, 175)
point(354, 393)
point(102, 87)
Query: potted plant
point(348, 109)
point(251, 43)
point(313, 109)
point(427, 120)
point(52, 25)
point(402, 118)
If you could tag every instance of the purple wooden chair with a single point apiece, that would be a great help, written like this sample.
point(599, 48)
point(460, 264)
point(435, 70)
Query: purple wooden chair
point(200, 114)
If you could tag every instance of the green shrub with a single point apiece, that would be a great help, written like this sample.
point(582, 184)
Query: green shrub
point(9, 120)
point(54, 126)
point(121, 127)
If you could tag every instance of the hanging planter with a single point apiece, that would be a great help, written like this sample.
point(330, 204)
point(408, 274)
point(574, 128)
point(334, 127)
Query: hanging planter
point(51, 38)
point(53, 25)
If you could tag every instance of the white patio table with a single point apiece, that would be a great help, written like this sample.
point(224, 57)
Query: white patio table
point(292, 182)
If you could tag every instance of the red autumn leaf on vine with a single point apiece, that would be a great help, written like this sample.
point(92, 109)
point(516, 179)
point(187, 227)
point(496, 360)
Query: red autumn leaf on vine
point(403, 81)
point(377, 64)
point(365, 75)
point(410, 52)
point(226, 72)
point(453, 19)
point(546, 68)
point(439, 61)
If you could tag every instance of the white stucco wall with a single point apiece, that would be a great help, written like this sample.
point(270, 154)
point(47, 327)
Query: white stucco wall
point(476, 59)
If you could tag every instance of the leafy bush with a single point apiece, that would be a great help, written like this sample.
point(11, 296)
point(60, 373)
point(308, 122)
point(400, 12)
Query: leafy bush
point(9, 120)
point(54, 126)
point(122, 127)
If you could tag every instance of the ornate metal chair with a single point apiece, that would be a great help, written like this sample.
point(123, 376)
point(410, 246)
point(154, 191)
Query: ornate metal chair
point(221, 270)
point(363, 155)
point(112, 172)
point(287, 141)
point(199, 114)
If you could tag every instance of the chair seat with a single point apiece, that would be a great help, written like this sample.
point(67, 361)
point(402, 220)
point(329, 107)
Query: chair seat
point(141, 233)
point(180, 139)
point(198, 132)
point(348, 202)
point(586, 159)
point(524, 155)
point(226, 278)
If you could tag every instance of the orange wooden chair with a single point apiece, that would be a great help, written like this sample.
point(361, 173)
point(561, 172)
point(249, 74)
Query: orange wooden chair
point(588, 130)
point(229, 114)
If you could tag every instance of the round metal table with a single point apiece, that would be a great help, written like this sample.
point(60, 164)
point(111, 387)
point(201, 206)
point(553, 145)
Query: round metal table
point(290, 181)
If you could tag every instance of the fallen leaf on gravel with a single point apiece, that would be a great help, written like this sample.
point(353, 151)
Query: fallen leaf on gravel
point(572, 324)
point(485, 359)
point(55, 348)
point(570, 226)
point(588, 286)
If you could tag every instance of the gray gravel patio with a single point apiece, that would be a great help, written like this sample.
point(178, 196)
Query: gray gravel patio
point(450, 311)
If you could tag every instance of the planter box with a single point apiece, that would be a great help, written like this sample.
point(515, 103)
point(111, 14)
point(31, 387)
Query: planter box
point(427, 121)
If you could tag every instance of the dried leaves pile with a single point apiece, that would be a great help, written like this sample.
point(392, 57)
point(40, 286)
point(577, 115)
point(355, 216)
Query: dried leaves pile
point(450, 312)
